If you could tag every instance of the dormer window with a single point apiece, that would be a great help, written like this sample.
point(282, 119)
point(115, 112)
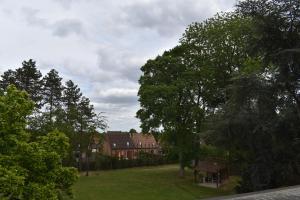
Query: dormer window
point(114, 144)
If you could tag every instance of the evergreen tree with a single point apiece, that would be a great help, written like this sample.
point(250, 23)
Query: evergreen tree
point(71, 99)
point(7, 78)
point(84, 127)
point(52, 93)
point(85, 114)
point(28, 78)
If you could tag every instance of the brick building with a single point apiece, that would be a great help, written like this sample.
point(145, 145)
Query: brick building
point(128, 145)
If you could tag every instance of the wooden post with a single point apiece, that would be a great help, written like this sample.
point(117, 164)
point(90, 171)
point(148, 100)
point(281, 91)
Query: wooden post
point(195, 175)
point(218, 179)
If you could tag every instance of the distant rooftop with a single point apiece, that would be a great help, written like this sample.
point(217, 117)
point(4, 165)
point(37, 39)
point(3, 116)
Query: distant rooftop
point(126, 140)
point(289, 193)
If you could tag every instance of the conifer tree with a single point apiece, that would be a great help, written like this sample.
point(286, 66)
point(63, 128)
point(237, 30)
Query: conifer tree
point(52, 93)
point(28, 78)
point(7, 78)
point(71, 99)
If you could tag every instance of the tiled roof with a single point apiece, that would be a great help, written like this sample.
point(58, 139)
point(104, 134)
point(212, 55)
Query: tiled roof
point(125, 140)
point(143, 139)
point(210, 166)
point(119, 140)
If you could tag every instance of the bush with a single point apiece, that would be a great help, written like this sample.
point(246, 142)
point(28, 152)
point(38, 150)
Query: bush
point(103, 162)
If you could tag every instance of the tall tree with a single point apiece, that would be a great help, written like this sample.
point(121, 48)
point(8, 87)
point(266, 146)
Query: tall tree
point(261, 117)
point(169, 99)
point(88, 124)
point(71, 99)
point(7, 78)
point(277, 31)
point(181, 88)
point(28, 78)
point(52, 93)
point(217, 49)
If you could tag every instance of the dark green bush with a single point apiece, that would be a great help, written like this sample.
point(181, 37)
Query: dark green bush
point(102, 162)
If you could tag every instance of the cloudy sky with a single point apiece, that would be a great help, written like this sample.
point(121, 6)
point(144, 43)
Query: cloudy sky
point(99, 44)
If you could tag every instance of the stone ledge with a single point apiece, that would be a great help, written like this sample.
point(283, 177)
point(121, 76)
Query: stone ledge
point(287, 193)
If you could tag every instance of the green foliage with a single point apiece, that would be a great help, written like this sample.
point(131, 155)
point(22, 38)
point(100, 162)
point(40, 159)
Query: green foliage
point(103, 162)
point(30, 169)
point(261, 116)
point(52, 95)
point(169, 98)
point(58, 107)
point(217, 49)
point(186, 84)
point(132, 130)
point(233, 82)
point(212, 152)
point(26, 78)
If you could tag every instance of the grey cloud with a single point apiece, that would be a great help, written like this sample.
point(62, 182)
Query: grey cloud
point(119, 117)
point(66, 27)
point(131, 73)
point(66, 3)
point(116, 96)
point(166, 17)
point(61, 28)
point(31, 16)
point(116, 62)
point(120, 100)
point(170, 16)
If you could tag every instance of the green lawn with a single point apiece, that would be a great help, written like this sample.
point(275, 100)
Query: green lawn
point(148, 183)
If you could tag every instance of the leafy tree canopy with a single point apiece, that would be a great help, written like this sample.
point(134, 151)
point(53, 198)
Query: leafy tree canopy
point(30, 169)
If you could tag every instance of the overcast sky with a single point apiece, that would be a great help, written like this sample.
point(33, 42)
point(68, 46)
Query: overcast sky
point(99, 44)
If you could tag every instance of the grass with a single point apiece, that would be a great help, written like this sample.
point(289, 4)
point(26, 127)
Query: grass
point(147, 183)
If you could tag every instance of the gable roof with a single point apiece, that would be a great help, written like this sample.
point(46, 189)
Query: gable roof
point(119, 140)
point(143, 138)
point(125, 140)
point(210, 166)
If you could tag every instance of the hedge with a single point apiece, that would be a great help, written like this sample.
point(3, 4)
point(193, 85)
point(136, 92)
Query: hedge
point(102, 162)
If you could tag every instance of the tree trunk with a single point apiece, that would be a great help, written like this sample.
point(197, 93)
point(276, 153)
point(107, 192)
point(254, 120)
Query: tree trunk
point(195, 170)
point(181, 165)
point(87, 165)
point(298, 109)
point(80, 161)
point(295, 97)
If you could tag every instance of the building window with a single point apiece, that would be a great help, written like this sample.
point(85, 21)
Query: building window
point(153, 145)
point(127, 143)
point(114, 144)
point(140, 144)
